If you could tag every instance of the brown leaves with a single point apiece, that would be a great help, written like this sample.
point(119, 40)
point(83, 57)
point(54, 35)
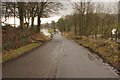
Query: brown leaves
point(39, 37)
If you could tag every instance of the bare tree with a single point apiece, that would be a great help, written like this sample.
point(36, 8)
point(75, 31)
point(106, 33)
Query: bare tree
point(43, 8)
point(21, 6)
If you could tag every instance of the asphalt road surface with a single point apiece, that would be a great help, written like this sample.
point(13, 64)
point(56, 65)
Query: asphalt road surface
point(59, 58)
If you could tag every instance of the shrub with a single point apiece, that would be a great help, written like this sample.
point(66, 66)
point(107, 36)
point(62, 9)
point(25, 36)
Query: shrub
point(13, 38)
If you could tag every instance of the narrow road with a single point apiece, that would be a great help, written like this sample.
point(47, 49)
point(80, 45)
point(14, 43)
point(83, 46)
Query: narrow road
point(59, 58)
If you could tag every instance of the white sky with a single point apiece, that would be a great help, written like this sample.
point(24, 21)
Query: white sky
point(95, 0)
point(43, 20)
point(60, 0)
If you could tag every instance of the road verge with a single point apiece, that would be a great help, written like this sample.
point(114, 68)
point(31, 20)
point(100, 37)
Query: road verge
point(36, 40)
point(105, 49)
point(9, 55)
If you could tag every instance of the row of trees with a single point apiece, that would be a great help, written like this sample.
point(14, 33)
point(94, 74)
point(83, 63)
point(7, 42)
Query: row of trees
point(90, 18)
point(29, 10)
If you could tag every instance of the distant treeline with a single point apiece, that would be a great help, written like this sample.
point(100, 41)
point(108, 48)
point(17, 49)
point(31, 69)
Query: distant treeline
point(91, 19)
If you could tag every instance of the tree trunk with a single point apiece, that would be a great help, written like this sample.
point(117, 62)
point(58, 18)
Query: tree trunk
point(21, 21)
point(28, 22)
point(75, 24)
point(40, 13)
point(32, 22)
point(20, 8)
point(14, 14)
point(39, 22)
point(79, 23)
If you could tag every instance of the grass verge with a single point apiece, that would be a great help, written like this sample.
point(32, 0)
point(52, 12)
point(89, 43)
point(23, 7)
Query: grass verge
point(6, 56)
point(106, 49)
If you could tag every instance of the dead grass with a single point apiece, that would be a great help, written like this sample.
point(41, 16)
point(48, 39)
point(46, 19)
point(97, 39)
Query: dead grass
point(35, 41)
point(39, 37)
point(107, 49)
point(8, 55)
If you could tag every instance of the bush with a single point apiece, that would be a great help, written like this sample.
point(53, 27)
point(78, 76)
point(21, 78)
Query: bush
point(13, 38)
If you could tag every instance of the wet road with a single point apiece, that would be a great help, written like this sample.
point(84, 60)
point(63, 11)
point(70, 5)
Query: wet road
point(59, 58)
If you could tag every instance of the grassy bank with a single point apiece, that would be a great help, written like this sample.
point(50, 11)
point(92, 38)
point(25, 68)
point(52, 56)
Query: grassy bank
point(16, 42)
point(108, 50)
point(36, 41)
point(8, 55)
point(13, 38)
